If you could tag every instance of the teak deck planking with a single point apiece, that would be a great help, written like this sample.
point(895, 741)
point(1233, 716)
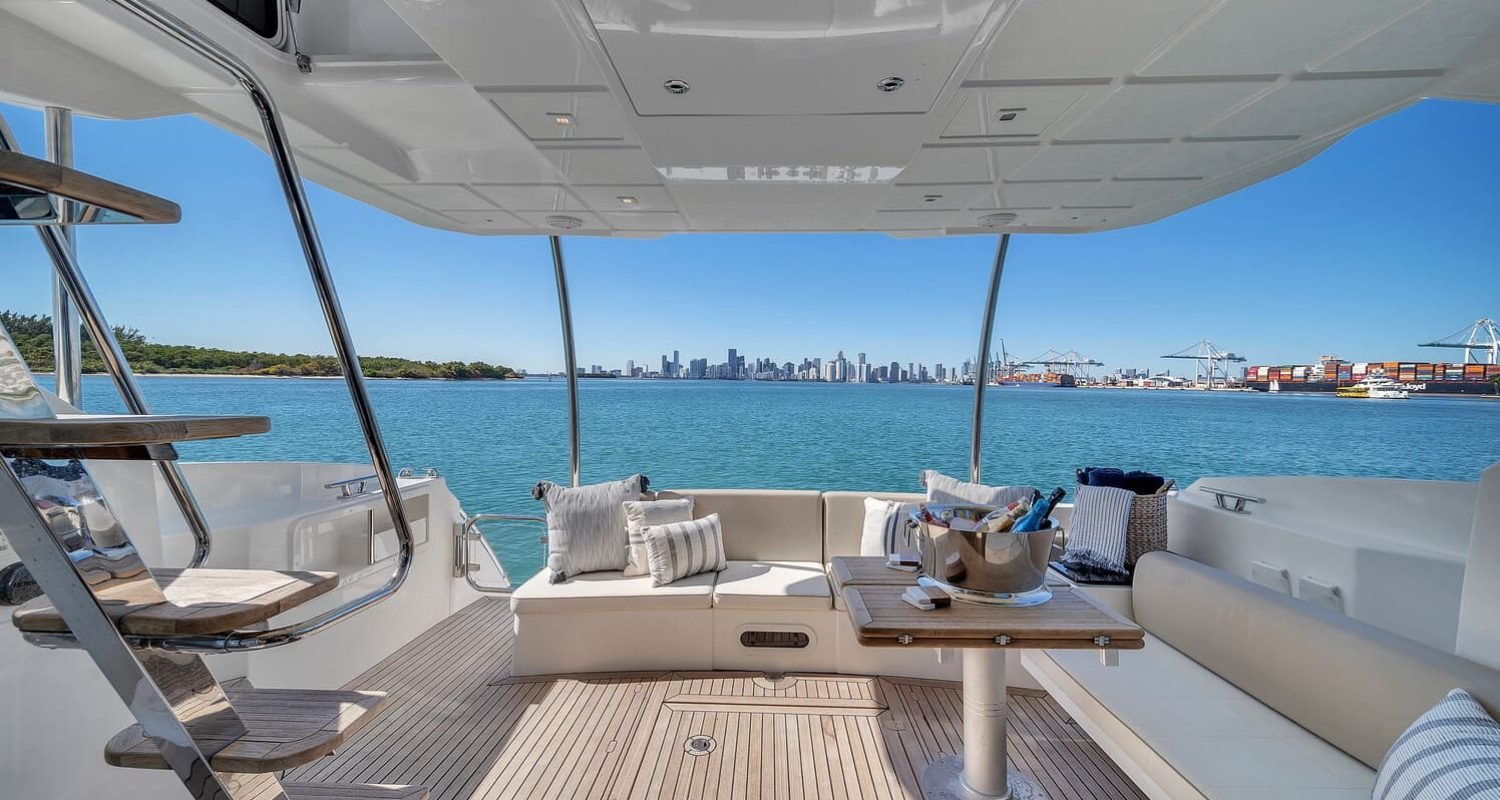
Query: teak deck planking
point(456, 722)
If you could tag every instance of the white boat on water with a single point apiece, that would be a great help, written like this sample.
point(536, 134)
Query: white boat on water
point(316, 630)
point(1275, 387)
point(1374, 387)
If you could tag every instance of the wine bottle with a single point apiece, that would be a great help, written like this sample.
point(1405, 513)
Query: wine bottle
point(1040, 512)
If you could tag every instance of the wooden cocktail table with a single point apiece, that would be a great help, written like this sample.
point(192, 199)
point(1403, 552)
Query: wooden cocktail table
point(1070, 620)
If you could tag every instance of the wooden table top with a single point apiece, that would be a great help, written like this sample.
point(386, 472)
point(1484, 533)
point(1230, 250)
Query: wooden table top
point(868, 571)
point(1069, 621)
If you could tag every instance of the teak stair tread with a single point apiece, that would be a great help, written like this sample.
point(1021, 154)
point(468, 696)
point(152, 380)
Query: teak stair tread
point(285, 728)
point(353, 791)
point(115, 430)
point(42, 175)
point(1069, 621)
point(199, 601)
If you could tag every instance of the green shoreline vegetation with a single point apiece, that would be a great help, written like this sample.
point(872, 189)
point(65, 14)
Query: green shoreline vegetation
point(33, 335)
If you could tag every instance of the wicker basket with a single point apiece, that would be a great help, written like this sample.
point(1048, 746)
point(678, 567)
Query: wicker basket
point(1147, 531)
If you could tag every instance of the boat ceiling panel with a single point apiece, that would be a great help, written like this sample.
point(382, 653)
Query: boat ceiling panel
point(497, 118)
point(785, 57)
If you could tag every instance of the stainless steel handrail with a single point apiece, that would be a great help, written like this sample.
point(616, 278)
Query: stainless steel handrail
point(67, 271)
point(565, 311)
point(317, 266)
point(986, 335)
point(468, 533)
point(1223, 498)
point(67, 344)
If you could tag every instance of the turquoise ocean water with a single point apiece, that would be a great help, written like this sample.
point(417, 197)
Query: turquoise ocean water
point(493, 440)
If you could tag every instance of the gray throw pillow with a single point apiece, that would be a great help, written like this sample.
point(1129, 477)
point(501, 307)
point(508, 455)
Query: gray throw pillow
point(944, 489)
point(586, 525)
point(640, 514)
point(680, 549)
point(1452, 751)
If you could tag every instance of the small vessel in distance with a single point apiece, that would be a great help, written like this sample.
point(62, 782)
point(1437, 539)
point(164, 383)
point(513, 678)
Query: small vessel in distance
point(1374, 387)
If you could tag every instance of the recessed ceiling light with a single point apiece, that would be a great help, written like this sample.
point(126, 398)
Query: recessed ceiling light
point(1008, 114)
point(890, 84)
point(563, 120)
point(931, 198)
point(996, 220)
point(676, 86)
point(627, 200)
point(565, 223)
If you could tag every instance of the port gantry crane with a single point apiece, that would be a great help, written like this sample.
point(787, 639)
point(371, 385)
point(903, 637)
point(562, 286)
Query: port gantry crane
point(1213, 363)
point(1069, 363)
point(1480, 336)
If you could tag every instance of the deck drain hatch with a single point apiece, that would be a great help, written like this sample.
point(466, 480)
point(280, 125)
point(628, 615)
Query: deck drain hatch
point(699, 745)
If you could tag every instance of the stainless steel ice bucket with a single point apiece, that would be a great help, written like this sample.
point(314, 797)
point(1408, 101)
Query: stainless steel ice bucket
point(1002, 568)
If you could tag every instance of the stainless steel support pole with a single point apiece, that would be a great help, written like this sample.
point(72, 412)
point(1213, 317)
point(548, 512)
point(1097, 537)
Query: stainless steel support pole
point(317, 266)
point(982, 773)
point(70, 277)
point(986, 335)
point(67, 345)
point(565, 310)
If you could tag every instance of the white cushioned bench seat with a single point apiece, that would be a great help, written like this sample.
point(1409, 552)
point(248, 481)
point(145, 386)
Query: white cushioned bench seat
point(1221, 741)
point(611, 591)
point(773, 586)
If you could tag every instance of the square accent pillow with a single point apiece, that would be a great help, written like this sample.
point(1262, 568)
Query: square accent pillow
point(641, 514)
point(885, 527)
point(944, 489)
point(680, 549)
point(1451, 751)
point(586, 525)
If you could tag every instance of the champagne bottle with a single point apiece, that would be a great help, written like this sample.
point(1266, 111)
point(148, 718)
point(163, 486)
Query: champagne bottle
point(1040, 512)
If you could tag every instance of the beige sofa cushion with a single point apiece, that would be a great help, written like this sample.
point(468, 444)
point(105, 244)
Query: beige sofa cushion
point(844, 518)
point(611, 591)
point(771, 525)
point(773, 586)
point(1351, 683)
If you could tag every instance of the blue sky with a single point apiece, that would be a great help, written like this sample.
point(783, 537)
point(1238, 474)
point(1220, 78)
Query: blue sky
point(1388, 238)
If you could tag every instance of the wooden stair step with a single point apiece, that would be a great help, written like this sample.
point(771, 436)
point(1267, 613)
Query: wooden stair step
point(199, 601)
point(123, 430)
point(353, 791)
point(285, 728)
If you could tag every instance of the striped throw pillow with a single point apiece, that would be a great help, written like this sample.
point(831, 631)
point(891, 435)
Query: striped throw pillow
point(679, 549)
point(1450, 753)
point(586, 525)
point(641, 514)
point(885, 527)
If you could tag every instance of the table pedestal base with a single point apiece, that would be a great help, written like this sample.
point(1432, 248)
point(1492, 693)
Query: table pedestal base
point(943, 780)
point(982, 773)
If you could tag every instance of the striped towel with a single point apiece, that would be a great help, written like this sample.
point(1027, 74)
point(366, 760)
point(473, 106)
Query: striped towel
point(1452, 751)
point(1096, 536)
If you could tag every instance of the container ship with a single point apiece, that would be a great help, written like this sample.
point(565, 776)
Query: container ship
point(1416, 377)
point(1037, 379)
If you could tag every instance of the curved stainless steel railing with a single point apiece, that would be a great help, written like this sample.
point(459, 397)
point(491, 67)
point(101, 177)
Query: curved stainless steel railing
point(317, 266)
point(986, 335)
point(463, 565)
point(69, 276)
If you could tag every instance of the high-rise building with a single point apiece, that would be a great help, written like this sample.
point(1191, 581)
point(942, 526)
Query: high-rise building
point(895, 375)
point(630, 368)
point(938, 374)
point(733, 363)
point(666, 366)
point(676, 364)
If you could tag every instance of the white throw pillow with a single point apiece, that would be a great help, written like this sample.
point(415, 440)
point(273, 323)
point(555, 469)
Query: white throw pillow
point(885, 527)
point(944, 489)
point(680, 549)
point(1451, 751)
point(586, 525)
point(640, 514)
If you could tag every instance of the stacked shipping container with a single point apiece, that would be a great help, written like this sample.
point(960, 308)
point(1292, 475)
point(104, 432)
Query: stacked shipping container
point(1440, 377)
